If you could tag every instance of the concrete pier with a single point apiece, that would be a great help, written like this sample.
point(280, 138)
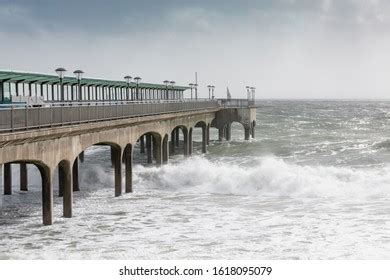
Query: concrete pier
point(7, 179)
point(65, 186)
point(149, 148)
point(23, 177)
point(247, 133)
point(142, 144)
point(177, 137)
point(221, 134)
point(208, 135)
point(228, 130)
point(128, 156)
point(173, 138)
point(165, 149)
point(118, 170)
point(47, 195)
point(75, 176)
point(204, 139)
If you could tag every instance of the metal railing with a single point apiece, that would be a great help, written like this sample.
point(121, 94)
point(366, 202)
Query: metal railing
point(14, 117)
point(236, 103)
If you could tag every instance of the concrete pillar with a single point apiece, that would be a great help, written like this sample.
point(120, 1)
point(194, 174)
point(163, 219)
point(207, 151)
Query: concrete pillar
point(177, 137)
point(154, 145)
point(47, 195)
point(159, 152)
point(185, 143)
point(190, 143)
point(253, 131)
point(220, 134)
point(149, 148)
point(247, 133)
point(112, 152)
point(204, 139)
point(208, 135)
point(81, 157)
point(129, 169)
point(142, 144)
point(229, 132)
point(66, 188)
point(7, 179)
point(173, 137)
point(23, 177)
point(75, 176)
point(118, 171)
point(165, 150)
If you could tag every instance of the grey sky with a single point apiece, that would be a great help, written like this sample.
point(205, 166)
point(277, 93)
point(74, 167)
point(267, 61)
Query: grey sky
point(286, 48)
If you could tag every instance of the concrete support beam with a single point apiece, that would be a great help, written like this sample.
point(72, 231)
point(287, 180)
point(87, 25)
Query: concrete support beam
point(7, 179)
point(159, 152)
point(23, 177)
point(112, 152)
point(66, 188)
point(81, 157)
point(173, 138)
point(149, 148)
point(253, 131)
point(75, 176)
point(204, 139)
point(165, 150)
point(142, 144)
point(118, 171)
point(185, 143)
point(247, 133)
point(220, 134)
point(229, 132)
point(128, 156)
point(208, 135)
point(190, 143)
point(47, 196)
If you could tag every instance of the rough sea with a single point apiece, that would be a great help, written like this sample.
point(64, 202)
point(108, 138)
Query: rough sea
point(313, 184)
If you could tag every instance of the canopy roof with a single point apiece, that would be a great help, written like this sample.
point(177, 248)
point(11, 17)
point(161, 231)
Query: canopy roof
point(21, 77)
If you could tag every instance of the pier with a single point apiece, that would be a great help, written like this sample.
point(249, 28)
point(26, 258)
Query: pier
point(49, 121)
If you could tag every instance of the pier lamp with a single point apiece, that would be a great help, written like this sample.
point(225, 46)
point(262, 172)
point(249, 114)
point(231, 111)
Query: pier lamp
point(137, 80)
point(79, 75)
point(253, 89)
point(166, 83)
point(192, 87)
point(196, 91)
point(128, 81)
point(61, 74)
point(209, 87)
point(212, 92)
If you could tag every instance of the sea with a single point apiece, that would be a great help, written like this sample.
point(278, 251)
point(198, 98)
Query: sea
point(314, 183)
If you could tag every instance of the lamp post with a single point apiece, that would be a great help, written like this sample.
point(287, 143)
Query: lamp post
point(212, 92)
point(196, 91)
point(137, 80)
point(61, 73)
point(248, 91)
point(253, 89)
point(79, 76)
point(128, 81)
point(192, 87)
point(166, 83)
point(172, 83)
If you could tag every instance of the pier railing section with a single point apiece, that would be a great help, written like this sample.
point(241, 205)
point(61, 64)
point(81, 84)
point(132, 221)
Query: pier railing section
point(15, 117)
point(236, 103)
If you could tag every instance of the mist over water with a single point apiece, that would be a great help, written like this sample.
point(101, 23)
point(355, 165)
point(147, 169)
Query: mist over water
point(314, 184)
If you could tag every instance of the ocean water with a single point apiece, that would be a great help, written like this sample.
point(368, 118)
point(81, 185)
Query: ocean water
point(314, 184)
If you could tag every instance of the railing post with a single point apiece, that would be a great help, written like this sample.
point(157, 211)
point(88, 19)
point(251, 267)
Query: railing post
point(26, 117)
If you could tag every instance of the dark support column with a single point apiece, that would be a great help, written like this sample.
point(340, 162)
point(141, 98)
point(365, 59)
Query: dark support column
point(81, 157)
point(118, 171)
point(208, 135)
point(142, 144)
point(204, 139)
point(65, 177)
point(7, 179)
point(47, 195)
point(165, 148)
point(129, 169)
point(229, 132)
point(247, 133)
point(112, 156)
point(220, 134)
point(173, 137)
point(190, 143)
point(149, 148)
point(75, 172)
point(155, 148)
point(159, 152)
point(23, 177)
point(177, 137)
point(185, 142)
point(253, 131)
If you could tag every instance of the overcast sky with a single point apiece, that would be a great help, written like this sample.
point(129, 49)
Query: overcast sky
point(286, 48)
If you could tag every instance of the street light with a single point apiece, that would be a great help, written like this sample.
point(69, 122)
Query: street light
point(253, 89)
point(137, 79)
point(61, 74)
point(247, 92)
point(128, 81)
point(172, 83)
point(192, 87)
point(166, 83)
point(196, 91)
point(79, 76)
point(212, 92)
